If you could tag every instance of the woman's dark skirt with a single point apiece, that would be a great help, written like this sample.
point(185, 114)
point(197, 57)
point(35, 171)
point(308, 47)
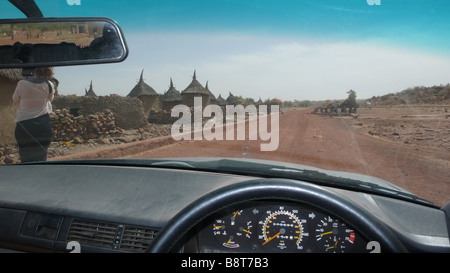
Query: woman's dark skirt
point(33, 137)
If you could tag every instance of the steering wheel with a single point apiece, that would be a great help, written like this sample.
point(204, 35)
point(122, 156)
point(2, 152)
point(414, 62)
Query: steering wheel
point(274, 189)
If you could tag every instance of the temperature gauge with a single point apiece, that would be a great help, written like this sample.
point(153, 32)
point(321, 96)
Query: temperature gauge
point(232, 230)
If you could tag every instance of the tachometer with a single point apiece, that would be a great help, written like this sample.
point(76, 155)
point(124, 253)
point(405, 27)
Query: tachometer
point(282, 230)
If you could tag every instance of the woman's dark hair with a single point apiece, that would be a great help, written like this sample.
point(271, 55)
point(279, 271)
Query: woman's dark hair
point(45, 73)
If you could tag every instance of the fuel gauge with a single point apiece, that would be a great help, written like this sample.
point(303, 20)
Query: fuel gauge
point(232, 230)
point(223, 233)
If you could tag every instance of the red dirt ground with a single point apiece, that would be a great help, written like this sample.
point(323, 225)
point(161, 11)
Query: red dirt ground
point(416, 164)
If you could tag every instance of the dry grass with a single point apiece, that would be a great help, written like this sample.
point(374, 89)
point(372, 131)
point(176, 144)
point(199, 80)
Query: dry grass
point(7, 124)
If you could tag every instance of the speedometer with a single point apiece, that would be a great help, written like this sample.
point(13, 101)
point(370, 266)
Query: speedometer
point(282, 230)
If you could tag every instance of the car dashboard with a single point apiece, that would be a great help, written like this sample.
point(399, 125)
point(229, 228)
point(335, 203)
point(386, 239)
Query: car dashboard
point(274, 227)
point(100, 208)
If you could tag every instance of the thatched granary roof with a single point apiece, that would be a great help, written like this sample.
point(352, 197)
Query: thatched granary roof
point(171, 95)
point(212, 98)
point(142, 89)
point(232, 99)
point(195, 87)
point(12, 74)
point(91, 92)
point(221, 101)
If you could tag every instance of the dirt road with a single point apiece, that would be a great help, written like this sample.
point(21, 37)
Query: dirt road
point(333, 143)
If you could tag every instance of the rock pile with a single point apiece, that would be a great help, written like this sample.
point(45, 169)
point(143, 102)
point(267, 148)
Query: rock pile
point(78, 129)
point(9, 155)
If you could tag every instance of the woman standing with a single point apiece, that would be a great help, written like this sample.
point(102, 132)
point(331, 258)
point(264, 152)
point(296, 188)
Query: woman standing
point(33, 127)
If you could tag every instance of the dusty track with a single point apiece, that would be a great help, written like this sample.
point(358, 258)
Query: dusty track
point(333, 143)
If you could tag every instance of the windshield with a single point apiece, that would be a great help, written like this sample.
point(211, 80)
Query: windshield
point(351, 86)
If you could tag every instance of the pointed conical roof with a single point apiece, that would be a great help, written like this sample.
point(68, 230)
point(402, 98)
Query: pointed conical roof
point(142, 89)
point(231, 99)
point(195, 87)
point(91, 92)
point(212, 98)
point(171, 95)
point(221, 101)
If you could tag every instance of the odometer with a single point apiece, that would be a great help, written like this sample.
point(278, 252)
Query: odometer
point(282, 230)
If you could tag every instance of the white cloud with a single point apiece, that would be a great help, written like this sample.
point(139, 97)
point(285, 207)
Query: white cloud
point(298, 71)
point(264, 67)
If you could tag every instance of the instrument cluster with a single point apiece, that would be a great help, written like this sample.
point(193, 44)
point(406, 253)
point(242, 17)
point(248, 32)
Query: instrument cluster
point(274, 227)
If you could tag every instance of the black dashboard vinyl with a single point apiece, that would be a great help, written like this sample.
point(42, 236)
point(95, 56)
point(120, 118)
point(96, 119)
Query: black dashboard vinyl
point(44, 207)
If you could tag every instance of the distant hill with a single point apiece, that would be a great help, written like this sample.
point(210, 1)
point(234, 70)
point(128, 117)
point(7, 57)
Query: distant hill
point(439, 95)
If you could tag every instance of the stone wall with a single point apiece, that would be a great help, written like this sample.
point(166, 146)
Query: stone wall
point(128, 112)
point(161, 117)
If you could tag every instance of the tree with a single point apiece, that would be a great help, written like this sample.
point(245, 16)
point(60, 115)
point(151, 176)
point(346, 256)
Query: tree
point(274, 101)
point(240, 100)
point(352, 96)
point(249, 101)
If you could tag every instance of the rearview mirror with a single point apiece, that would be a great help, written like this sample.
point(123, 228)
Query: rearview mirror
point(37, 42)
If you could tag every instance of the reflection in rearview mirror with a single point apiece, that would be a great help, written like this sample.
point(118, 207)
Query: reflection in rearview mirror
point(60, 42)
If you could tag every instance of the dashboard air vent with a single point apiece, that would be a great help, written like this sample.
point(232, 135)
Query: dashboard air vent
point(111, 236)
point(92, 233)
point(137, 239)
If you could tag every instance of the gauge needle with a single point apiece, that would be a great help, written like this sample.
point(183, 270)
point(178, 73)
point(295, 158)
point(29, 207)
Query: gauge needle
point(333, 246)
point(271, 238)
point(234, 216)
point(228, 241)
point(326, 233)
point(244, 230)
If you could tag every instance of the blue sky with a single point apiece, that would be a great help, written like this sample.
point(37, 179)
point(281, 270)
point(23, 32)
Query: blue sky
point(289, 49)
